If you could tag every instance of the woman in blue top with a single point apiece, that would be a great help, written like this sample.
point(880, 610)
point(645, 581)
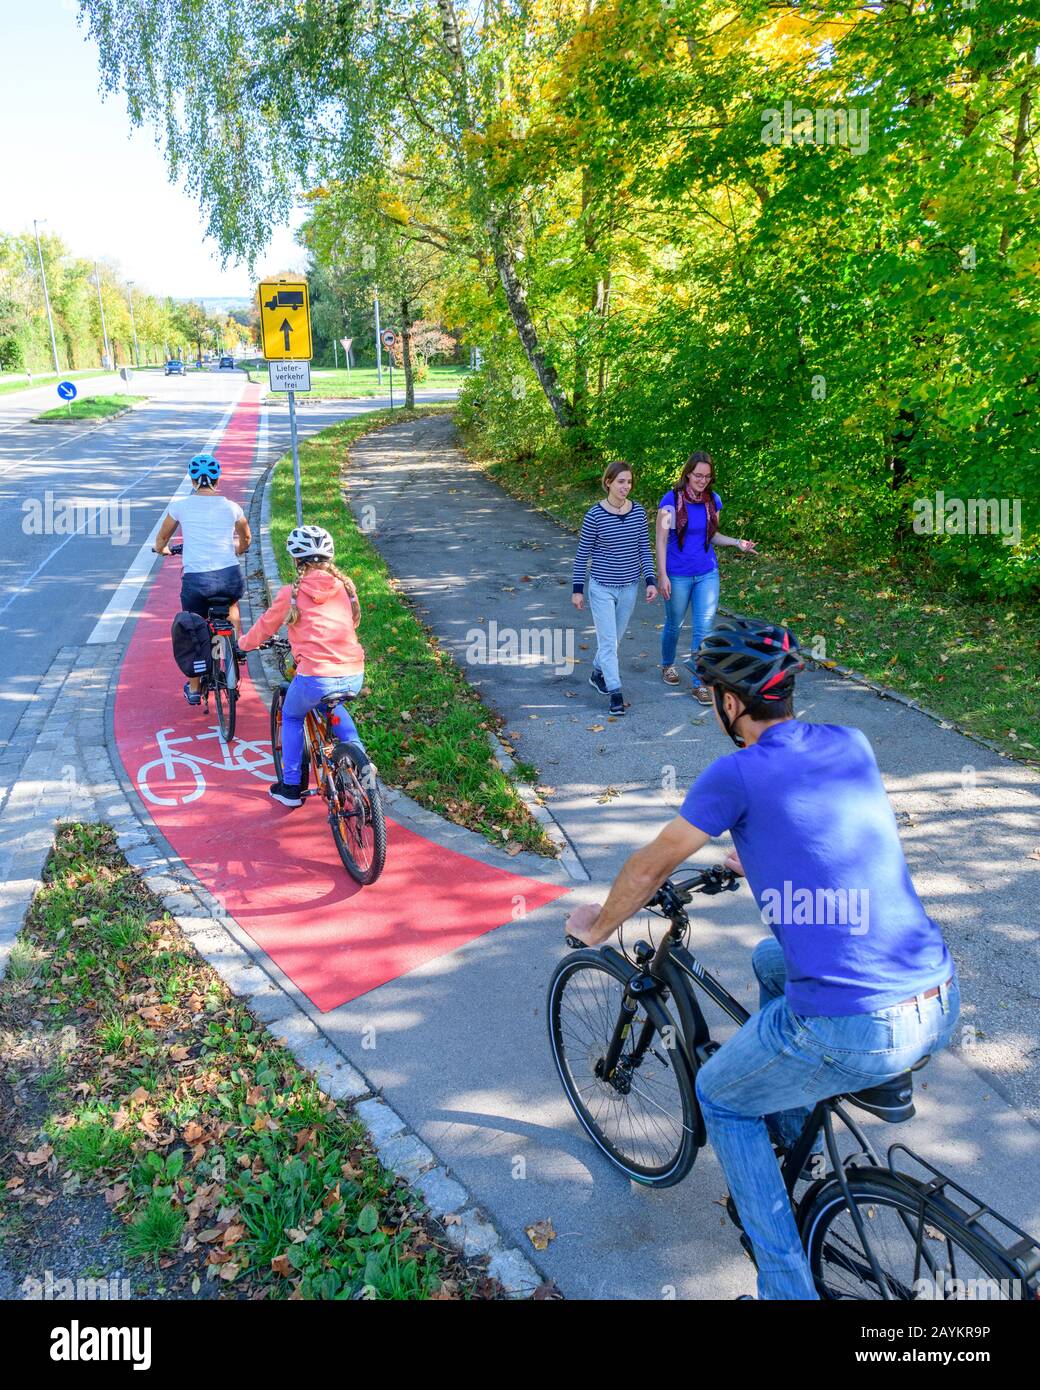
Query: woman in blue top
point(614, 538)
point(687, 570)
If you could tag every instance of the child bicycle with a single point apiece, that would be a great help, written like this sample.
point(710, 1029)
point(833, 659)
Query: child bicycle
point(344, 777)
point(221, 679)
point(628, 1036)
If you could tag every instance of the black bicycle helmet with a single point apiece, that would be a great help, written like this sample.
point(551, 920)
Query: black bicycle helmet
point(755, 659)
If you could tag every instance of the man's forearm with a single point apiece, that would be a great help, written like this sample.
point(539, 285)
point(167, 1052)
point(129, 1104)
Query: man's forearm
point(633, 888)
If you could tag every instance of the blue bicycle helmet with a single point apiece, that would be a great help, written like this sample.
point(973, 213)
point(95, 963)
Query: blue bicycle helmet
point(204, 469)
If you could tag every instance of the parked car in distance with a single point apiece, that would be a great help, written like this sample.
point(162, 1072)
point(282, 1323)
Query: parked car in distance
point(227, 360)
point(175, 367)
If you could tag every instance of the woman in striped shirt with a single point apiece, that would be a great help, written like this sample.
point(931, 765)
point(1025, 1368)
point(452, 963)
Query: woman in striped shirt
point(614, 538)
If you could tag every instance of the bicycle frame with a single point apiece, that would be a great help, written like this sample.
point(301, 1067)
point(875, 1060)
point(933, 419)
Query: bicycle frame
point(672, 971)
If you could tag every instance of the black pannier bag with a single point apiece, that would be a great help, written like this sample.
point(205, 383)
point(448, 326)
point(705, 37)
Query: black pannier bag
point(192, 644)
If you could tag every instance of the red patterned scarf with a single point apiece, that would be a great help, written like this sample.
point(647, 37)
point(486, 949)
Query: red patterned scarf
point(685, 498)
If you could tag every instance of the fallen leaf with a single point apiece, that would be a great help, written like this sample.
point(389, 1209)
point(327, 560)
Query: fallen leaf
point(39, 1156)
point(280, 1264)
point(596, 728)
point(540, 1234)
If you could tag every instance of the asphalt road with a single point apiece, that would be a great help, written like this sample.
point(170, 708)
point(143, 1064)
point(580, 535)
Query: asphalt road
point(56, 583)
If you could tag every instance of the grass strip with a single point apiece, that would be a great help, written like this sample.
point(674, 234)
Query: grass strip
point(975, 662)
point(136, 1074)
point(424, 725)
point(20, 382)
point(363, 383)
point(91, 408)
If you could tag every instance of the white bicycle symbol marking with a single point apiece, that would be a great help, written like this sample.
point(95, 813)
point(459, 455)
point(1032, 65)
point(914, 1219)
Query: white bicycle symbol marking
point(171, 756)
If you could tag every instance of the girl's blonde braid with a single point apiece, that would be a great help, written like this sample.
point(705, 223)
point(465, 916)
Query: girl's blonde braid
point(329, 567)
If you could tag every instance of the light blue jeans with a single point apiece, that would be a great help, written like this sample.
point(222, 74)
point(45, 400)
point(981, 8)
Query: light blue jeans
point(702, 592)
point(303, 694)
point(611, 607)
point(781, 1061)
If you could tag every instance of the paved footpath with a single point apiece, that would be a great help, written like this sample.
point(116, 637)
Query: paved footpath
point(464, 1054)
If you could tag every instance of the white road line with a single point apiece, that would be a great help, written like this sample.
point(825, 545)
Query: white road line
point(120, 606)
point(21, 589)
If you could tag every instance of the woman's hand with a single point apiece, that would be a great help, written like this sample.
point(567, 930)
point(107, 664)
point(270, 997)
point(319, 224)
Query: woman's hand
point(748, 547)
point(578, 600)
point(651, 593)
point(161, 550)
point(664, 585)
point(579, 922)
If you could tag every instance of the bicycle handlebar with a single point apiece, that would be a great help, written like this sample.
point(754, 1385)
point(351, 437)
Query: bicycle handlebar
point(673, 893)
point(717, 879)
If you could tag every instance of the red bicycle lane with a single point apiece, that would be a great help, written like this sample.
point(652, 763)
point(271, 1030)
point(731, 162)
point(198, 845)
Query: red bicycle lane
point(276, 871)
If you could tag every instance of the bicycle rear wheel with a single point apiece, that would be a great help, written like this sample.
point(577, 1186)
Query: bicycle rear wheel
point(224, 684)
point(920, 1243)
point(356, 815)
point(645, 1117)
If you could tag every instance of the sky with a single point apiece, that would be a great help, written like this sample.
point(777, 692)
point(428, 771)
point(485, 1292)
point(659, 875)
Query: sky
point(71, 160)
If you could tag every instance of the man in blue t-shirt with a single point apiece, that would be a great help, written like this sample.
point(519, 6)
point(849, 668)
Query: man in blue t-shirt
point(855, 984)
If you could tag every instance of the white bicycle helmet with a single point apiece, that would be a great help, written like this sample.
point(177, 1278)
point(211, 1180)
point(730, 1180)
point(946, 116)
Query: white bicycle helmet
point(310, 543)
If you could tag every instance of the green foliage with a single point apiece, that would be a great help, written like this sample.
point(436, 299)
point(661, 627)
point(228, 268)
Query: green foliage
point(804, 238)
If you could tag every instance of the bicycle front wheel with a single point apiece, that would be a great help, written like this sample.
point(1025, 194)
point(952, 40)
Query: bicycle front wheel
point(277, 701)
point(921, 1246)
point(645, 1116)
point(356, 815)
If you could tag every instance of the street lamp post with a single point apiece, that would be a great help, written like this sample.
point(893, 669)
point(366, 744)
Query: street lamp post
point(46, 295)
point(133, 324)
point(379, 344)
point(101, 307)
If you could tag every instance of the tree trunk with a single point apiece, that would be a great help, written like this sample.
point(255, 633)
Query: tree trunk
point(520, 312)
point(406, 354)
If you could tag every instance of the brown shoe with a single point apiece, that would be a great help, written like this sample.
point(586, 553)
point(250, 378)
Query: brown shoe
point(670, 675)
point(702, 693)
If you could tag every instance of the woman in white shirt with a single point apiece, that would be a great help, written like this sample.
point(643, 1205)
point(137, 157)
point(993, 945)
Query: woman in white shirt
point(215, 533)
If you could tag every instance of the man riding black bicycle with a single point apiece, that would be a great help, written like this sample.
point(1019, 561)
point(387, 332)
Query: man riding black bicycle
point(855, 985)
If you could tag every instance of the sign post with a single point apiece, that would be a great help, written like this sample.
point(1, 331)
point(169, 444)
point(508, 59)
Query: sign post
point(285, 338)
point(67, 392)
point(389, 338)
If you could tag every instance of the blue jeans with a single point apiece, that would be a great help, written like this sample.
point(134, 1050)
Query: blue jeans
point(781, 1060)
point(611, 607)
point(700, 590)
point(303, 694)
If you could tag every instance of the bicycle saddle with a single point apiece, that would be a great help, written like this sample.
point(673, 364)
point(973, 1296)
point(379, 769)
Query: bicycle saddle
point(339, 697)
point(890, 1100)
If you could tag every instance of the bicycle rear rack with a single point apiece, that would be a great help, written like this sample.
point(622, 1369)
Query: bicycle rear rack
point(1024, 1252)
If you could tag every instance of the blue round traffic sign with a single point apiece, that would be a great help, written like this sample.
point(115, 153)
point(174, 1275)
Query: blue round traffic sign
point(66, 390)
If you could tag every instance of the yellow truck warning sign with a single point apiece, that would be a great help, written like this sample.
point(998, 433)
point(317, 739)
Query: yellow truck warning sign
point(285, 320)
